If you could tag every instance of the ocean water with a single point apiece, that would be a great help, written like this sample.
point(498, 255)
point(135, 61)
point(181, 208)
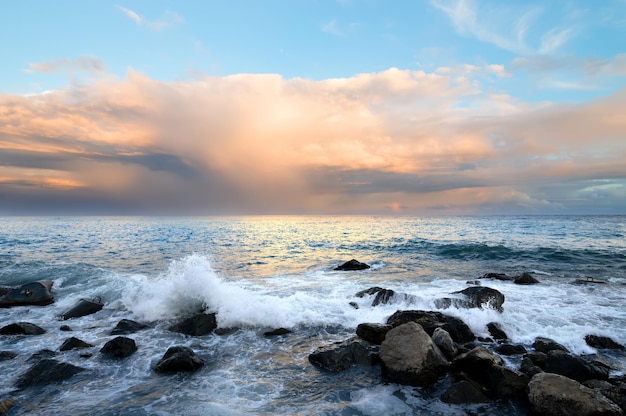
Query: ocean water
point(262, 273)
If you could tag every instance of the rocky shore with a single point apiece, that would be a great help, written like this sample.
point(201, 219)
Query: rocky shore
point(413, 347)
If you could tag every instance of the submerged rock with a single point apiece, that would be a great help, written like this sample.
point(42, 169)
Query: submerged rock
point(277, 332)
point(476, 297)
point(22, 328)
point(127, 326)
point(409, 356)
point(119, 347)
point(197, 325)
point(72, 343)
point(384, 296)
point(352, 265)
point(47, 371)
point(82, 308)
point(525, 279)
point(496, 331)
point(179, 358)
point(496, 276)
point(557, 395)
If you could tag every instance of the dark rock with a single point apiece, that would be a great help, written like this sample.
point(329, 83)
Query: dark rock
point(476, 364)
point(473, 282)
point(41, 355)
point(603, 343)
point(352, 265)
point(197, 325)
point(589, 280)
point(525, 279)
point(119, 347)
point(384, 296)
point(409, 356)
point(373, 332)
point(430, 320)
point(556, 395)
point(538, 358)
point(528, 367)
point(480, 297)
point(446, 344)
point(82, 308)
point(546, 345)
point(47, 371)
point(342, 355)
point(510, 349)
point(277, 332)
point(22, 328)
point(178, 359)
point(464, 392)
point(72, 343)
point(614, 393)
point(7, 355)
point(506, 383)
point(574, 367)
point(496, 331)
point(127, 326)
point(34, 293)
point(496, 276)
point(354, 305)
point(65, 328)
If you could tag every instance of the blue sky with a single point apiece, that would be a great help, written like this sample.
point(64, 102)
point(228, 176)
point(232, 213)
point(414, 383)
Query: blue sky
point(382, 72)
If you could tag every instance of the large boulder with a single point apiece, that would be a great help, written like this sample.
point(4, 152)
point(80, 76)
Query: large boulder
point(342, 355)
point(47, 371)
point(477, 363)
point(431, 320)
point(179, 358)
point(474, 297)
point(546, 345)
point(446, 344)
point(373, 332)
point(352, 265)
point(557, 395)
point(22, 328)
point(34, 293)
point(496, 331)
point(603, 343)
point(409, 356)
point(197, 325)
point(506, 383)
point(119, 347)
point(575, 367)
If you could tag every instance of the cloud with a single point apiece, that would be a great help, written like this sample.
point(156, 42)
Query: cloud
point(168, 19)
point(84, 64)
point(391, 141)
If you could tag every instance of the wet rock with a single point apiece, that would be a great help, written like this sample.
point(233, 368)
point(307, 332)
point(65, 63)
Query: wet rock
point(277, 332)
point(575, 367)
point(352, 265)
point(342, 355)
point(65, 328)
point(528, 367)
point(546, 345)
point(197, 325)
point(557, 395)
point(82, 308)
point(612, 392)
point(496, 276)
point(496, 331)
point(383, 296)
point(41, 355)
point(47, 371)
point(34, 293)
point(464, 392)
point(409, 356)
point(127, 326)
point(481, 297)
point(525, 279)
point(119, 347)
point(177, 359)
point(602, 343)
point(21, 328)
point(476, 364)
point(373, 332)
point(510, 349)
point(7, 355)
point(74, 343)
point(444, 341)
point(430, 320)
point(505, 383)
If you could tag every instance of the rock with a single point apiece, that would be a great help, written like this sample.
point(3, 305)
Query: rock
point(546, 345)
point(41, 355)
point(352, 265)
point(372, 332)
point(384, 296)
point(444, 341)
point(47, 371)
point(409, 356)
point(178, 359)
point(496, 331)
point(277, 332)
point(496, 276)
point(614, 393)
point(525, 279)
point(342, 355)
point(65, 328)
point(510, 349)
point(127, 326)
point(481, 297)
point(557, 395)
point(476, 364)
point(119, 347)
point(7, 355)
point(574, 367)
point(197, 325)
point(21, 328)
point(528, 367)
point(602, 343)
point(72, 343)
point(34, 293)
point(538, 358)
point(464, 392)
point(82, 308)
point(430, 320)
point(505, 383)
point(589, 280)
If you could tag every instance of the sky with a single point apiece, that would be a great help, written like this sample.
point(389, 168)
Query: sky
point(403, 107)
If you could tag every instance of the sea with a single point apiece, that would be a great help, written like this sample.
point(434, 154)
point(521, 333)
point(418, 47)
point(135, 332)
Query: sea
point(260, 273)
